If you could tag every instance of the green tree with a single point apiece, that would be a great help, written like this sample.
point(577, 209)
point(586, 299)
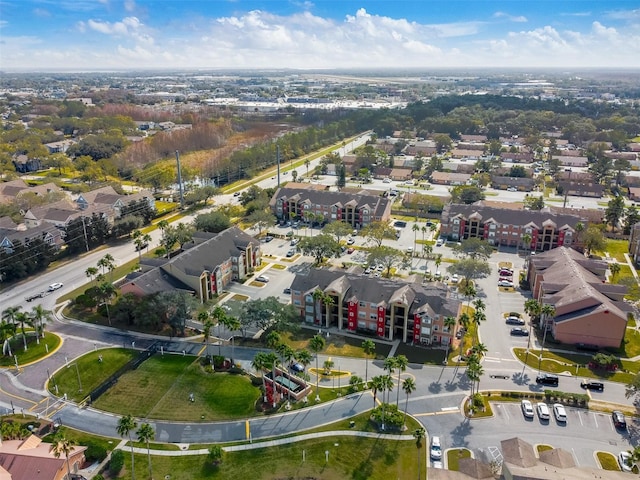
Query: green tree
point(593, 240)
point(401, 364)
point(369, 348)
point(105, 292)
point(63, 446)
point(316, 344)
point(319, 247)
point(386, 256)
point(261, 219)
point(339, 229)
point(614, 211)
point(470, 269)
point(621, 166)
point(466, 194)
point(213, 222)
point(419, 435)
point(408, 386)
point(377, 231)
point(615, 269)
point(475, 248)
point(631, 218)
point(534, 203)
point(124, 428)
point(22, 319)
point(215, 455)
point(39, 316)
point(145, 433)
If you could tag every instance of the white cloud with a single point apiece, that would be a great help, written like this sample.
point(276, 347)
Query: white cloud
point(512, 18)
point(129, 5)
point(627, 15)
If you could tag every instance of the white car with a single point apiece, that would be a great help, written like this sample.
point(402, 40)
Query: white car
point(351, 241)
point(55, 286)
point(543, 411)
point(436, 449)
point(455, 278)
point(527, 408)
point(624, 459)
point(440, 242)
point(386, 180)
point(560, 413)
point(262, 278)
point(505, 283)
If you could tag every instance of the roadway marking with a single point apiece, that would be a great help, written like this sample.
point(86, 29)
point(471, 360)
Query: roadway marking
point(431, 414)
point(595, 418)
point(580, 417)
point(18, 397)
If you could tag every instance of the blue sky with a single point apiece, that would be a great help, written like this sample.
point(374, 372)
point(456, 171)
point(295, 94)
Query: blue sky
point(209, 34)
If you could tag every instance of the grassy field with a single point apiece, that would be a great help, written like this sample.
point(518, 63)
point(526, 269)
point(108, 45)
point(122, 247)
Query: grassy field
point(160, 388)
point(92, 372)
point(454, 456)
point(34, 351)
point(608, 461)
point(617, 249)
point(349, 458)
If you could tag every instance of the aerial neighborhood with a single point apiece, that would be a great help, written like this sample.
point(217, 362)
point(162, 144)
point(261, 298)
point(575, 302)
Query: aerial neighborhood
point(187, 255)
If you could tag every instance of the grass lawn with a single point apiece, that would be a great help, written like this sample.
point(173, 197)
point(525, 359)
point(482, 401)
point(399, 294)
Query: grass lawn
point(608, 461)
point(454, 456)
point(82, 438)
point(625, 277)
point(92, 372)
point(543, 448)
point(160, 388)
point(349, 457)
point(617, 249)
point(335, 345)
point(34, 351)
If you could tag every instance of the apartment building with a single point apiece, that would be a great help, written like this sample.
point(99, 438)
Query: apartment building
point(504, 226)
point(378, 307)
point(309, 203)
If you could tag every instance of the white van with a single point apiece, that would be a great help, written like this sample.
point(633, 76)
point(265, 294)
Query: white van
point(440, 242)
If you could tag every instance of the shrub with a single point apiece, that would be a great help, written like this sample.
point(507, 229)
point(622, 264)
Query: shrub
point(116, 463)
point(95, 453)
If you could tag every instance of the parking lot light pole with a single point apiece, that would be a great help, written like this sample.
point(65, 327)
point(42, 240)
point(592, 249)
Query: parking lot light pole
point(78, 373)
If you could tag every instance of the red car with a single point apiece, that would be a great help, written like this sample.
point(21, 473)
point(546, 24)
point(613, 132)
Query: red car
point(350, 250)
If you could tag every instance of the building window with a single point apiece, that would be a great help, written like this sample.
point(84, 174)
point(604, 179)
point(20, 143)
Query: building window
point(362, 324)
point(362, 314)
point(309, 309)
point(363, 304)
point(373, 316)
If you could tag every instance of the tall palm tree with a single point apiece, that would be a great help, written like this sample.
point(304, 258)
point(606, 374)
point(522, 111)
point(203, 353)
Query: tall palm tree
point(7, 331)
point(419, 435)
point(526, 243)
point(107, 262)
point(387, 387)
point(463, 320)
point(9, 314)
point(23, 318)
point(401, 364)
point(416, 229)
point(307, 162)
point(389, 365)
point(259, 363)
point(62, 445)
point(304, 357)
point(408, 386)
point(91, 272)
point(478, 304)
point(125, 426)
point(615, 270)
point(106, 291)
point(219, 314)
point(449, 323)
point(376, 386)
point(316, 344)
point(207, 325)
point(145, 434)
point(40, 315)
point(232, 324)
point(369, 348)
point(532, 308)
point(328, 303)
point(318, 296)
point(478, 317)
point(438, 261)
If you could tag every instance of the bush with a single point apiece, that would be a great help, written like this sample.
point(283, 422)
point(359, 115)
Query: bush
point(116, 463)
point(95, 453)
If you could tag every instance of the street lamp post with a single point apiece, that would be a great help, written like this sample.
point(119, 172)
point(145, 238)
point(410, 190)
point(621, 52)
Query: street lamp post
point(78, 373)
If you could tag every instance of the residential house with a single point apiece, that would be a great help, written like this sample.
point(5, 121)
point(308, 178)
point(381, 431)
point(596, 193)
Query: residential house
point(24, 164)
point(582, 189)
point(58, 214)
point(400, 174)
point(523, 184)
point(446, 178)
point(503, 226)
point(467, 154)
point(379, 307)
point(59, 147)
point(587, 310)
point(46, 232)
point(572, 161)
point(518, 157)
point(33, 459)
point(358, 210)
point(107, 198)
point(10, 191)
point(204, 268)
point(634, 194)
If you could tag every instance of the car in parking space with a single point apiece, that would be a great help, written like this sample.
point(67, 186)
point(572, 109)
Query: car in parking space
point(618, 420)
point(505, 272)
point(455, 278)
point(592, 385)
point(55, 286)
point(527, 408)
point(514, 321)
point(367, 271)
point(547, 379)
point(263, 279)
point(350, 250)
point(436, 449)
point(399, 224)
point(505, 283)
point(287, 291)
point(624, 460)
point(268, 238)
point(543, 411)
point(519, 332)
point(294, 242)
point(351, 241)
point(440, 242)
point(291, 253)
point(560, 413)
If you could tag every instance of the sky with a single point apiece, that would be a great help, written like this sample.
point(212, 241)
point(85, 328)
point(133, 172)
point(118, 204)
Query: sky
point(87, 35)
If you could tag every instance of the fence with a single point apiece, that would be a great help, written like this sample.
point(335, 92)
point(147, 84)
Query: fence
point(131, 365)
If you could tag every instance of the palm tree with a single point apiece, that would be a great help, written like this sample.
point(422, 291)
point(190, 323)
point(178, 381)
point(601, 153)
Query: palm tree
point(463, 320)
point(64, 446)
point(408, 386)
point(39, 316)
point(7, 331)
point(478, 317)
point(416, 229)
point(207, 325)
point(125, 426)
point(469, 291)
point(318, 296)
point(306, 164)
point(532, 308)
point(526, 243)
point(328, 303)
point(389, 365)
point(9, 314)
point(91, 272)
point(401, 364)
point(423, 229)
point(474, 372)
point(369, 348)
point(107, 262)
point(304, 357)
point(438, 261)
point(376, 386)
point(615, 269)
point(478, 304)
point(316, 344)
point(387, 386)
point(232, 324)
point(579, 228)
point(23, 318)
point(449, 322)
point(219, 314)
point(259, 363)
point(106, 290)
point(145, 434)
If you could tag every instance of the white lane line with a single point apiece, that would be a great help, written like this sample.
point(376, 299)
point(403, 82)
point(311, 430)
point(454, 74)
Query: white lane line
point(595, 418)
point(580, 417)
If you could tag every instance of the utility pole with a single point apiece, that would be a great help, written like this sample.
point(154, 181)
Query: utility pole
point(84, 229)
point(180, 181)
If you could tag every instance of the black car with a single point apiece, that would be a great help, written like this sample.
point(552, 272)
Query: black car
point(296, 367)
point(268, 238)
point(519, 332)
point(618, 419)
point(547, 379)
point(287, 291)
point(591, 385)
point(31, 298)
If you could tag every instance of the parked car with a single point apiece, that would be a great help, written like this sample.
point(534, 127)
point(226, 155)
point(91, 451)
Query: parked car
point(455, 278)
point(527, 408)
point(547, 379)
point(55, 286)
point(592, 385)
point(262, 278)
point(624, 459)
point(350, 250)
point(543, 411)
point(440, 242)
point(291, 253)
point(505, 283)
point(294, 242)
point(514, 321)
point(287, 291)
point(519, 332)
point(436, 449)
point(512, 189)
point(560, 413)
point(618, 419)
point(506, 272)
point(296, 367)
point(268, 238)
point(351, 241)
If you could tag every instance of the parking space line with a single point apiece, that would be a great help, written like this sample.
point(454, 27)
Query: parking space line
point(580, 417)
point(595, 418)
